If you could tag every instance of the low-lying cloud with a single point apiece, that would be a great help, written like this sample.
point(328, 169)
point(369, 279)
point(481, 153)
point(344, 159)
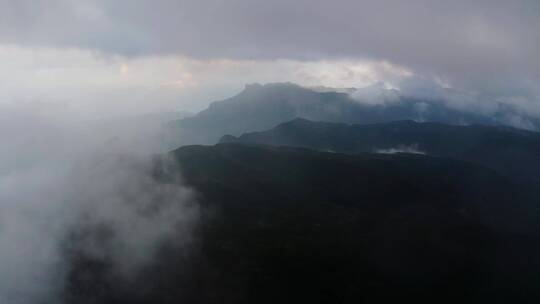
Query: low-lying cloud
point(61, 185)
point(411, 149)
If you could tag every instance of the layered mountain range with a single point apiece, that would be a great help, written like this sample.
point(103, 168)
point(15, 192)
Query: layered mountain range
point(509, 151)
point(260, 107)
point(350, 203)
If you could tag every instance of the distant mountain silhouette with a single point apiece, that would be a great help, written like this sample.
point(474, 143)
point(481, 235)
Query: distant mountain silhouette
point(260, 107)
point(291, 225)
point(509, 151)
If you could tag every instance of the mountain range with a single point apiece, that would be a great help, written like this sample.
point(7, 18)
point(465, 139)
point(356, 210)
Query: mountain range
point(260, 107)
point(509, 151)
point(311, 196)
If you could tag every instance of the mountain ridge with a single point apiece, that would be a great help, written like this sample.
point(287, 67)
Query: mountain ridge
point(260, 107)
point(510, 151)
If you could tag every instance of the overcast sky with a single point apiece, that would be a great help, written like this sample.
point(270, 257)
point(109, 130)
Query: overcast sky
point(85, 59)
point(89, 58)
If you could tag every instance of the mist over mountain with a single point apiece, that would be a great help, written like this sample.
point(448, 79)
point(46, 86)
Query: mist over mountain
point(259, 107)
point(401, 209)
point(384, 151)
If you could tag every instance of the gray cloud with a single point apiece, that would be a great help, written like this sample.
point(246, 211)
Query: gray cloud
point(58, 179)
point(487, 46)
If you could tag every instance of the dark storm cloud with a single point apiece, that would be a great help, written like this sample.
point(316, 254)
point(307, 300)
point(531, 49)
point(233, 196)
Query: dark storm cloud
point(483, 45)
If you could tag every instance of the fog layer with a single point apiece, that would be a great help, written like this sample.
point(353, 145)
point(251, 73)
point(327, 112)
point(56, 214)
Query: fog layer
point(60, 182)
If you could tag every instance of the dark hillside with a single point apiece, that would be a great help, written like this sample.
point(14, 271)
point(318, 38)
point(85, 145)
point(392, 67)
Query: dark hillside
point(286, 225)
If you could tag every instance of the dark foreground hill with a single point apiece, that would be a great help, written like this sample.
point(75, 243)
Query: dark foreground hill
point(509, 151)
point(288, 225)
